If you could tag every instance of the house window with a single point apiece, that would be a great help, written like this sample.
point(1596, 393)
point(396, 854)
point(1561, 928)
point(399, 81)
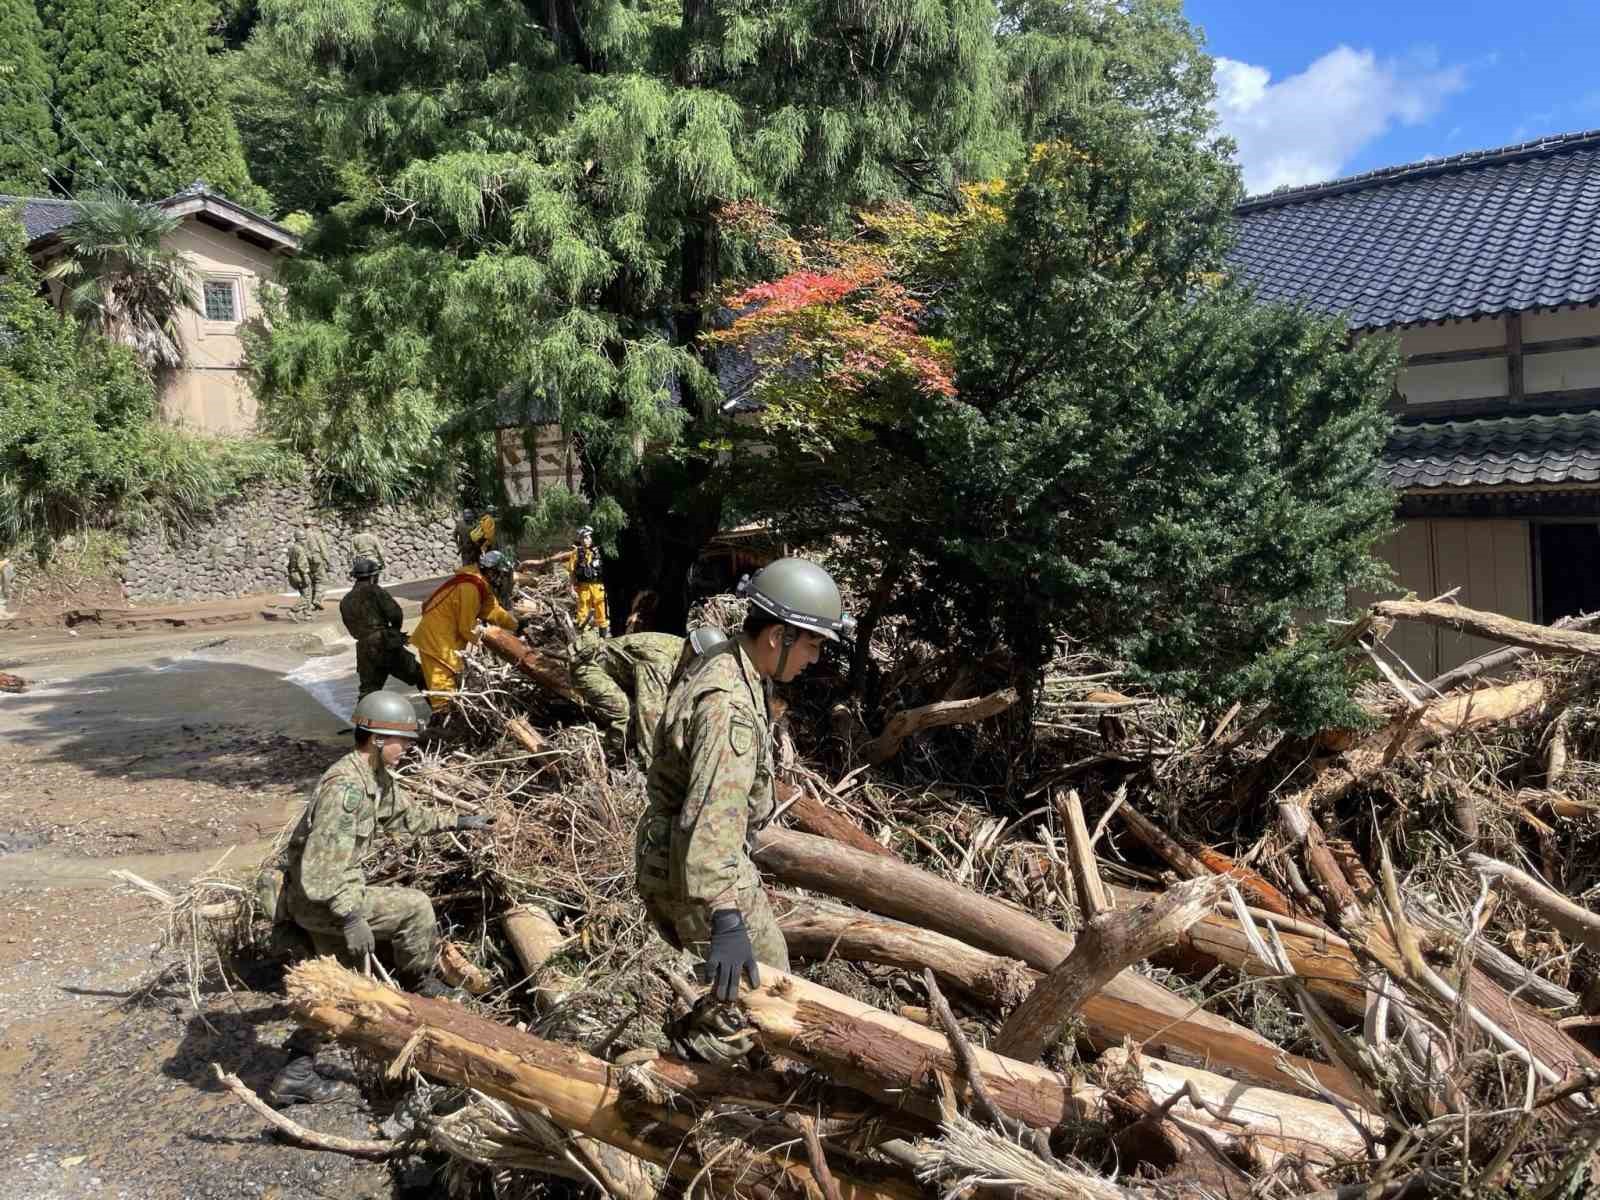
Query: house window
point(1568, 554)
point(221, 300)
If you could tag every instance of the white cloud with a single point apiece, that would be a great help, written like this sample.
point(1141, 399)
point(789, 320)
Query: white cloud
point(1305, 128)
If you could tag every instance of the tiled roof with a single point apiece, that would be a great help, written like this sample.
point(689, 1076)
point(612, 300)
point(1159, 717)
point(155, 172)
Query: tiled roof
point(1550, 448)
point(1493, 231)
point(41, 216)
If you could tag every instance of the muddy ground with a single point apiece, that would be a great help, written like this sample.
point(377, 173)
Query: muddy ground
point(158, 754)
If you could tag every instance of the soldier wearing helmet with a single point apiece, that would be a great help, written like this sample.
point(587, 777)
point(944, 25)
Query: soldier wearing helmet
point(325, 893)
point(710, 785)
point(373, 618)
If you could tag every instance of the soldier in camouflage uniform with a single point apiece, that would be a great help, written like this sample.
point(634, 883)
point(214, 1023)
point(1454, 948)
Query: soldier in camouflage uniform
point(624, 680)
point(366, 545)
point(710, 788)
point(373, 619)
point(316, 554)
point(299, 570)
point(324, 891)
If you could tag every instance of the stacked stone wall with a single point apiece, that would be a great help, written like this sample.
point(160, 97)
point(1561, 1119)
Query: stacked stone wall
point(243, 547)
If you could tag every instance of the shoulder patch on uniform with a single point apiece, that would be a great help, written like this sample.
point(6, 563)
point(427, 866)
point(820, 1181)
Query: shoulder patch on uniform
point(352, 798)
point(741, 733)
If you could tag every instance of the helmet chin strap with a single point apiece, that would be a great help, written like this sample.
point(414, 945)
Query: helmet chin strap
point(790, 636)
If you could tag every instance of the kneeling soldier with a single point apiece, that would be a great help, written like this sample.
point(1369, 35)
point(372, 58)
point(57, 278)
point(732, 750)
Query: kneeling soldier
point(325, 892)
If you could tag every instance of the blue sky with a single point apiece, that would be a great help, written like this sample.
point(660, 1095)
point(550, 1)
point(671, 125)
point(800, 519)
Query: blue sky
point(1317, 91)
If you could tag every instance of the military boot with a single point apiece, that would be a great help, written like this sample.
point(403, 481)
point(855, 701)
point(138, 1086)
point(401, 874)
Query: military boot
point(299, 1083)
point(435, 988)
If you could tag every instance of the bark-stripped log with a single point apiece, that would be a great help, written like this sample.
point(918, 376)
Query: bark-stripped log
point(1129, 1006)
point(623, 1107)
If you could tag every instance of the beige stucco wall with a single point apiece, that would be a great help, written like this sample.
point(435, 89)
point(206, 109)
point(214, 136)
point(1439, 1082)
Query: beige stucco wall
point(210, 393)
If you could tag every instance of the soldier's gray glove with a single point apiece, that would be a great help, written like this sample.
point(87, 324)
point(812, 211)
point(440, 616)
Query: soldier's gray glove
point(474, 821)
point(731, 955)
point(358, 937)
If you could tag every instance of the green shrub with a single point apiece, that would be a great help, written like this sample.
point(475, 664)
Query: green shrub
point(80, 443)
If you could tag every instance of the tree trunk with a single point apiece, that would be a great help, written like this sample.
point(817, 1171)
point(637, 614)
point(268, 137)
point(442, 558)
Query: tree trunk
point(534, 937)
point(580, 1093)
point(540, 668)
point(1129, 1006)
point(1468, 671)
point(894, 568)
point(814, 817)
point(898, 1062)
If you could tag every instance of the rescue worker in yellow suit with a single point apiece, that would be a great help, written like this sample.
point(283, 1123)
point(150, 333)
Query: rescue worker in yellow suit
point(449, 619)
point(584, 566)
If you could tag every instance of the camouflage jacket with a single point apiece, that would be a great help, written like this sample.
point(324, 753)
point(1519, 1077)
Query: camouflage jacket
point(711, 775)
point(317, 549)
point(352, 802)
point(299, 562)
point(367, 609)
point(367, 545)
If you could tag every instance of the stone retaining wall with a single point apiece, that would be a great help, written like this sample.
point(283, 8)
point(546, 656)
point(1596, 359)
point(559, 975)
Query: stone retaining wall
point(244, 546)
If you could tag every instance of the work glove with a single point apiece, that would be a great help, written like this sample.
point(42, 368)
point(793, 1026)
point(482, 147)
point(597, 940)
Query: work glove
point(474, 821)
point(358, 937)
point(731, 954)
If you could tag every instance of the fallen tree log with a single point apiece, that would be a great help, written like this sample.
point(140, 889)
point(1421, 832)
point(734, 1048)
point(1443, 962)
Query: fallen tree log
point(899, 1062)
point(934, 716)
point(540, 668)
point(534, 936)
point(1495, 659)
point(811, 815)
point(1203, 863)
point(630, 1108)
point(1546, 639)
point(1129, 1006)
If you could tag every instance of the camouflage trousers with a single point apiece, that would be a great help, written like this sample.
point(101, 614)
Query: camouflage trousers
point(380, 655)
point(314, 586)
point(711, 1031)
point(401, 916)
point(617, 715)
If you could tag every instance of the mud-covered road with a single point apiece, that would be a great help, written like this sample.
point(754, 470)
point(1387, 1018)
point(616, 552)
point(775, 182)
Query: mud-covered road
point(160, 754)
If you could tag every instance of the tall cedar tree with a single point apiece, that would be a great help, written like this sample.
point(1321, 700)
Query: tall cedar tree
point(534, 203)
point(141, 100)
point(28, 147)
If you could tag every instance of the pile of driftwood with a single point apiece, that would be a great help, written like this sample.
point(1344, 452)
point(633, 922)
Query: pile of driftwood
point(1199, 960)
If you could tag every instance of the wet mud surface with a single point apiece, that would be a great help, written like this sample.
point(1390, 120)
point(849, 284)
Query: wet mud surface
point(157, 759)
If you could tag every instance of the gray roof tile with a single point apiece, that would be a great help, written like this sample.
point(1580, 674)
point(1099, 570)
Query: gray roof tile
point(40, 215)
point(1480, 233)
point(1550, 448)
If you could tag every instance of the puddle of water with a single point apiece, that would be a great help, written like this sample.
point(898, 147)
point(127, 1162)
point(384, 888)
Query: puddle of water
point(41, 868)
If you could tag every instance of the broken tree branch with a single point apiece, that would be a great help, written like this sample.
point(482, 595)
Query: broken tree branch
point(1546, 639)
point(1108, 944)
point(1092, 895)
point(934, 716)
point(1571, 919)
point(1495, 659)
point(296, 1132)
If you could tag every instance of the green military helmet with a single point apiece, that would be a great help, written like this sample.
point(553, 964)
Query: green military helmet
point(386, 713)
point(363, 568)
point(802, 594)
point(494, 562)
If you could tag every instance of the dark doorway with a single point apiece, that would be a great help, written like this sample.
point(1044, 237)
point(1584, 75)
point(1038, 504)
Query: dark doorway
point(1569, 569)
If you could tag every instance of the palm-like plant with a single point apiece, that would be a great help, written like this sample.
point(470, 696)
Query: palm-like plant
point(119, 279)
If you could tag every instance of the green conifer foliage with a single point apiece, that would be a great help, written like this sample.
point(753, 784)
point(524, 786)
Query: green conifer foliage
point(141, 102)
point(27, 139)
point(537, 197)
